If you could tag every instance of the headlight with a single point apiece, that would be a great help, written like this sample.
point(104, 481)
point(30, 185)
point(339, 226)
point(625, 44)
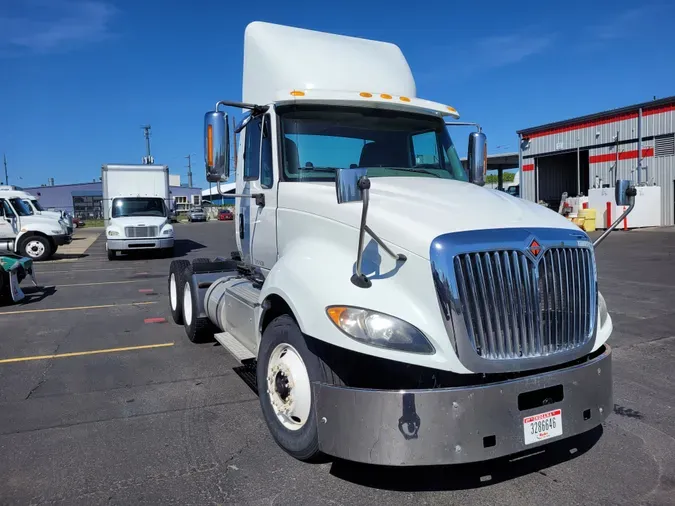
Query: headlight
point(57, 232)
point(602, 309)
point(168, 231)
point(377, 329)
point(113, 232)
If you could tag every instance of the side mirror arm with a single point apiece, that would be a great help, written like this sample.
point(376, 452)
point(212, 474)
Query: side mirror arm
point(631, 192)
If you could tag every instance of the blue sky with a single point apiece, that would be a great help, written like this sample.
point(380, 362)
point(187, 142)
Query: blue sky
point(79, 78)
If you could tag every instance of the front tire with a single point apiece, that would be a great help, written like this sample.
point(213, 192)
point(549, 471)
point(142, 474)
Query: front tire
point(112, 254)
point(176, 282)
point(286, 369)
point(36, 248)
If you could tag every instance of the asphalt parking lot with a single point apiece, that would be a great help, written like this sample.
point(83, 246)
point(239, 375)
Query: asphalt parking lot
point(130, 412)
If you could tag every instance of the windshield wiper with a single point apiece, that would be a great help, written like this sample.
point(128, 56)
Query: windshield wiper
point(410, 169)
point(318, 169)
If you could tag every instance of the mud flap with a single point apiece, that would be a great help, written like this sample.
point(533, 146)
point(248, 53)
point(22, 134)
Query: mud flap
point(14, 288)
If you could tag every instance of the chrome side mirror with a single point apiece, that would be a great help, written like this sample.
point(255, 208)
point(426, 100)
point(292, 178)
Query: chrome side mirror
point(477, 158)
point(623, 191)
point(347, 185)
point(216, 146)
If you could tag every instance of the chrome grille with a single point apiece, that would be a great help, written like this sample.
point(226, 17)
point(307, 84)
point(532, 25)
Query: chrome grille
point(517, 307)
point(140, 231)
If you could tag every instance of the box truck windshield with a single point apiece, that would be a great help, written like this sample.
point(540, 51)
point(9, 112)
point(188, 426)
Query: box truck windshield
point(317, 140)
point(137, 206)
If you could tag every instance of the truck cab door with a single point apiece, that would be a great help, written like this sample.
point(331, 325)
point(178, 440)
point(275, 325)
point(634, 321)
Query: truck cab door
point(256, 221)
point(9, 227)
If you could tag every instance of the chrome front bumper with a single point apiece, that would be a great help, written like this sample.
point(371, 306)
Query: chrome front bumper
point(456, 425)
point(141, 243)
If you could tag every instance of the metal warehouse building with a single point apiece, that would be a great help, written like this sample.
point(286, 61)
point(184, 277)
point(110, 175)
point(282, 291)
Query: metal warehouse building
point(84, 200)
point(635, 142)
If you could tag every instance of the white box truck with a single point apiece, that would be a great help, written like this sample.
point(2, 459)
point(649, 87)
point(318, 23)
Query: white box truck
point(394, 310)
point(136, 204)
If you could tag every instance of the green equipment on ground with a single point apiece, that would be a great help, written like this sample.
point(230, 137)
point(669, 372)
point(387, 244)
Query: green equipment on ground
point(13, 270)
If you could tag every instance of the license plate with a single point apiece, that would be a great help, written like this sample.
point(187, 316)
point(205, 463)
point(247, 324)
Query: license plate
point(542, 426)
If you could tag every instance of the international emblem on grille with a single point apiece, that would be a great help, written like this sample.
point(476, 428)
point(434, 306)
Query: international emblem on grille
point(535, 248)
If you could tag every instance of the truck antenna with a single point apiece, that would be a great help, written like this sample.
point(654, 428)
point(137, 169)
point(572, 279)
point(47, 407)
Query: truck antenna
point(4, 156)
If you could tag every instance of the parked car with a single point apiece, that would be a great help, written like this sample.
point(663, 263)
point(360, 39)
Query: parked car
point(225, 215)
point(78, 222)
point(196, 214)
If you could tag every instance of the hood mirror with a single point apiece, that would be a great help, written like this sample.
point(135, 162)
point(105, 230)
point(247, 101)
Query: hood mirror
point(477, 158)
point(347, 185)
point(216, 146)
point(624, 195)
point(623, 192)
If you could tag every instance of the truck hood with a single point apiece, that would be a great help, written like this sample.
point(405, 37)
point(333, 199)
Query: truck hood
point(43, 219)
point(412, 211)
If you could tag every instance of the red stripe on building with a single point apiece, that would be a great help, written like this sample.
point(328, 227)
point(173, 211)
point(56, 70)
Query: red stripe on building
point(603, 121)
point(624, 155)
point(528, 167)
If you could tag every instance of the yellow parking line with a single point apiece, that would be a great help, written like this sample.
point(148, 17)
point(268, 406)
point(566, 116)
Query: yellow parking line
point(78, 308)
point(80, 353)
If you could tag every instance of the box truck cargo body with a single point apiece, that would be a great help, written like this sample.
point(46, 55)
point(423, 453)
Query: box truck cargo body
point(136, 205)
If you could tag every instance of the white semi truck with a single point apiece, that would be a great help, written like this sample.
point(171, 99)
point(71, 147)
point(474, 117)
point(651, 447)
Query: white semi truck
point(136, 203)
point(36, 236)
point(395, 311)
point(34, 205)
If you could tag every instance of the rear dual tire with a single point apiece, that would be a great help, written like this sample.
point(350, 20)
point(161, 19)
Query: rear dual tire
point(198, 329)
point(176, 282)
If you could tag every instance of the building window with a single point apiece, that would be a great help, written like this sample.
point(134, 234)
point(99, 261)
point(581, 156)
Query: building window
point(180, 203)
point(196, 200)
point(88, 207)
point(664, 145)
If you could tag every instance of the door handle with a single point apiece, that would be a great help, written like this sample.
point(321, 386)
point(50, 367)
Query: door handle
point(241, 225)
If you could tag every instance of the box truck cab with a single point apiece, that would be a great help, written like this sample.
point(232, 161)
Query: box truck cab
point(34, 205)
point(136, 208)
point(31, 235)
point(395, 311)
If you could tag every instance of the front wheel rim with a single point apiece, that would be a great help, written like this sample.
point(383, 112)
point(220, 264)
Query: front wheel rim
point(288, 387)
point(173, 292)
point(187, 303)
point(35, 249)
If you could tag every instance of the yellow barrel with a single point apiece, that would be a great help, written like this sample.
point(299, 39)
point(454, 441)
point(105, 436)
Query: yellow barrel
point(589, 219)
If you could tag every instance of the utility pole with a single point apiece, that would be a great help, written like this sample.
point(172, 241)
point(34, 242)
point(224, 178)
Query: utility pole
point(146, 131)
point(189, 170)
point(4, 156)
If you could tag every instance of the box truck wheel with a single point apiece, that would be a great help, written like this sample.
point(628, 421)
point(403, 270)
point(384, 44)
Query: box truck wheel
point(176, 289)
point(198, 329)
point(35, 247)
point(286, 369)
point(112, 254)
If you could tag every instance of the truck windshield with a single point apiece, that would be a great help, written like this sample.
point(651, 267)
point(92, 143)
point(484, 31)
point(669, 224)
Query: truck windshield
point(319, 139)
point(138, 206)
point(36, 204)
point(20, 207)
